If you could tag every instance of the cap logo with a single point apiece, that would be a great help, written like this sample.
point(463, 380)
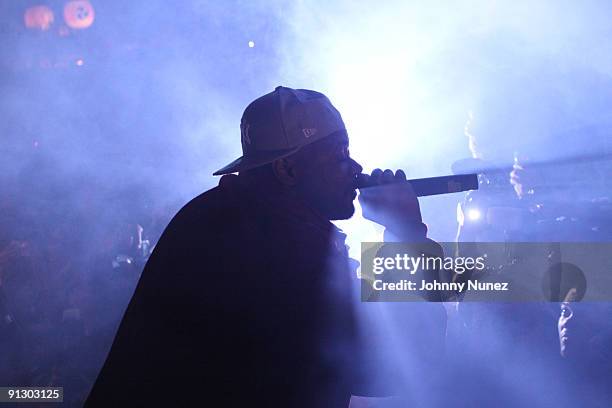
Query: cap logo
point(245, 133)
point(309, 132)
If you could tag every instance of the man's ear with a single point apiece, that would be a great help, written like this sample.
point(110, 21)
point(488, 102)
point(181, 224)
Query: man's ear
point(285, 171)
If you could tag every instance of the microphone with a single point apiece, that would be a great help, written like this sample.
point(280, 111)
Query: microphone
point(430, 185)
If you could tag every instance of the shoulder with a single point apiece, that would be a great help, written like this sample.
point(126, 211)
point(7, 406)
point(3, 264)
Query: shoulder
point(210, 212)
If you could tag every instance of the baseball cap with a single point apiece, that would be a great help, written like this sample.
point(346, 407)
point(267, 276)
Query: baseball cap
point(281, 122)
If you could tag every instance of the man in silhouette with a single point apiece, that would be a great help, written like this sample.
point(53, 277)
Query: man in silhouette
point(248, 298)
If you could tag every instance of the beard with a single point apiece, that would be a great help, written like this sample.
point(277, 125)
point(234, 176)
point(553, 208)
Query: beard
point(343, 208)
point(333, 200)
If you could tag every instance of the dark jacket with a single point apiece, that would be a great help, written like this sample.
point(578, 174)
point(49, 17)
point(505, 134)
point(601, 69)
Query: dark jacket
point(245, 301)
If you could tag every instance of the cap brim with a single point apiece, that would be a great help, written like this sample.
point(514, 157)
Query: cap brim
point(254, 160)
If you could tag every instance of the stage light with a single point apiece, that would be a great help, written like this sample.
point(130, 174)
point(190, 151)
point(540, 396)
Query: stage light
point(79, 62)
point(79, 14)
point(251, 44)
point(38, 18)
point(474, 214)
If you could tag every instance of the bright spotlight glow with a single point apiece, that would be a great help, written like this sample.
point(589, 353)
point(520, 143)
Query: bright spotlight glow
point(251, 44)
point(474, 214)
point(79, 62)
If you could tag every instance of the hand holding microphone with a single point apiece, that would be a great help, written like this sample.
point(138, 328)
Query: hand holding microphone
point(388, 200)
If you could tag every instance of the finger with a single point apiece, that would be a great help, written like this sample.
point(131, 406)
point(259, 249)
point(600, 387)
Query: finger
point(377, 175)
point(388, 176)
point(400, 175)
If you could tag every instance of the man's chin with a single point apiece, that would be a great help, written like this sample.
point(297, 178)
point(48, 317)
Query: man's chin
point(343, 213)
